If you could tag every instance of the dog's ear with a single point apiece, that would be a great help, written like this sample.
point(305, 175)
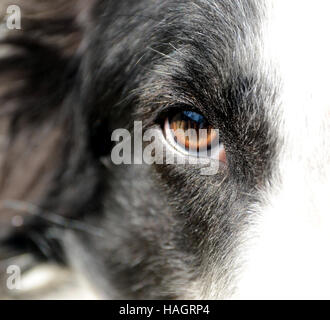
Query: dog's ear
point(43, 135)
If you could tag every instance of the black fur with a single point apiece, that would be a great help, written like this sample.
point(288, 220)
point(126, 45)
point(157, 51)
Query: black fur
point(138, 231)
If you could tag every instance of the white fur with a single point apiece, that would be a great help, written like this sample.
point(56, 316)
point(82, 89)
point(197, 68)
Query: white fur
point(288, 253)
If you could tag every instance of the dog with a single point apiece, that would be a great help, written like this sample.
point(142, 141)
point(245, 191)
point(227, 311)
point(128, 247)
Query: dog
point(255, 70)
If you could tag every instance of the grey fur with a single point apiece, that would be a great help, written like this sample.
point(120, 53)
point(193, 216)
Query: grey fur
point(165, 228)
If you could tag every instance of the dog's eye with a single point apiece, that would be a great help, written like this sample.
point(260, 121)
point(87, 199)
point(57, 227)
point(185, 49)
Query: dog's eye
point(190, 132)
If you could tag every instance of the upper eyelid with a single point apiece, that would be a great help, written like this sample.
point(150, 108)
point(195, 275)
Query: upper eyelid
point(159, 115)
point(176, 107)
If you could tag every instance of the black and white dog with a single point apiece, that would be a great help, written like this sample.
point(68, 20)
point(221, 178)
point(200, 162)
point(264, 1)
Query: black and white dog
point(255, 70)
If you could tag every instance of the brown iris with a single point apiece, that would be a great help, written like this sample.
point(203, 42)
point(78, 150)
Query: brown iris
point(191, 131)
